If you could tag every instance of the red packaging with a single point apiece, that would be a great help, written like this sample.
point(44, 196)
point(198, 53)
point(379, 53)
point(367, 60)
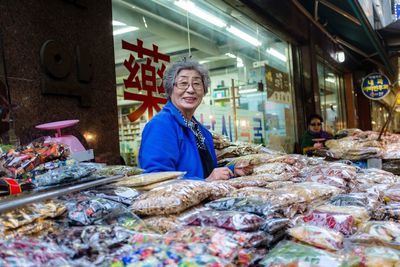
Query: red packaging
point(337, 221)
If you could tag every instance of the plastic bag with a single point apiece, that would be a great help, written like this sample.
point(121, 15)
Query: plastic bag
point(277, 168)
point(171, 199)
point(350, 200)
point(387, 212)
point(230, 220)
point(379, 232)
point(317, 236)
point(113, 170)
point(148, 178)
point(372, 256)
point(92, 211)
point(180, 254)
point(360, 214)
point(339, 222)
point(311, 191)
point(65, 174)
point(32, 253)
point(273, 225)
point(251, 205)
point(278, 184)
point(219, 190)
point(287, 254)
point(124, 195)
point(278, 198)
point(392, 193)
point(260, 180)
point(161, 224)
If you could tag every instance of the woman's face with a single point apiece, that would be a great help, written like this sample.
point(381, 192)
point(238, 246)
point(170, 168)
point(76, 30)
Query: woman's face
point(315, 125)
point(188, 91)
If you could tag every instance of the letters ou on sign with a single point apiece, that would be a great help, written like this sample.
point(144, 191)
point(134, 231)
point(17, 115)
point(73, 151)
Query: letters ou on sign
point(146, 81)
point(65, 74)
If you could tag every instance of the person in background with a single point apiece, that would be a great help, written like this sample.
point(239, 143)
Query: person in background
point(314, 138)
point(173, 140)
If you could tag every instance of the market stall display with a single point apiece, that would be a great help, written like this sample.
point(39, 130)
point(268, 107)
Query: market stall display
point(290, 210)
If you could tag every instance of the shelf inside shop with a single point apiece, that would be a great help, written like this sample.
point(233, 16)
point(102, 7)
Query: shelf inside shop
point(12, 202)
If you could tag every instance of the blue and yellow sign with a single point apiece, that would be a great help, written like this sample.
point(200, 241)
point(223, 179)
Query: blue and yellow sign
point(375, 86)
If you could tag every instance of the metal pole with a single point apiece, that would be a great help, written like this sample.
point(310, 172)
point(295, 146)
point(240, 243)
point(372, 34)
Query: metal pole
point(390, 115)
point(233, 96)
point(15, 202)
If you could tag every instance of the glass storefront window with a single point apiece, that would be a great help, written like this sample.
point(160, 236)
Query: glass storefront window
point(244, 59)
point(379, 115)
point(331, 98)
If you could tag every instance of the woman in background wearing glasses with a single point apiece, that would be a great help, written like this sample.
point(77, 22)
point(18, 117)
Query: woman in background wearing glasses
point(314, 138)
point(174, 140)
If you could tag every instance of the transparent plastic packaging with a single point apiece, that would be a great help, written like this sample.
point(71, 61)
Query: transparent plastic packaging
point(378, 232)
point(31, 253)
point(288, 254)
point(259, 180)
point(317, 236)
point(171, 199)
point(161, 224)
point(274, 225)
point(113, 170)
point(92, 210)
point(336, 221)
point(311, 191)
point(277, 168)
point(372, 256)
point(124, 195)
point(353, 199)
point(360, 214)
point(219, 190)
point(278, 184)
point(178, 254)
point(250, 205)
point(389, 212)
point(229, 220)
point(148, 178)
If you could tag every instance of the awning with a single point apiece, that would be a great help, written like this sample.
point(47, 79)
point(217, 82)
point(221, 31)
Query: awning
point(391, 35)
point(346, 24)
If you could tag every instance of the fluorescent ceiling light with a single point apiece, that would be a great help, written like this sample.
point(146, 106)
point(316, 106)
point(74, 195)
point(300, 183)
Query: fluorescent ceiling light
point(246, 91)
point(243, 35)
point(204, 61)
point(230, 55)
point(118, 23)
point(239, 62)
point(144, 21)
point(340, 57)
point(193, 9)
point(277, 54)
point(330, 80)
point(125, 30)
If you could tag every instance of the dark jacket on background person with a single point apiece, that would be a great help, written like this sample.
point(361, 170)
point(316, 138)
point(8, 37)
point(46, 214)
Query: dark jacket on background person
point(308, 136)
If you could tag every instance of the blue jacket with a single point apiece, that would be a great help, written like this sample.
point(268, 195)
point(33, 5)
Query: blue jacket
point(169, 145)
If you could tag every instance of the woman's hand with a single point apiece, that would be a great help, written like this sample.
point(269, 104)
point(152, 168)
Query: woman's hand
point(223, 173)
point(243, 171)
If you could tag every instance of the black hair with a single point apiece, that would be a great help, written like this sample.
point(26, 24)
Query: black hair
point(314, 116)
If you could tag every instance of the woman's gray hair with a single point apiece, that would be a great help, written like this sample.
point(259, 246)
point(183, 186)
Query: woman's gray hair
point(185, 64)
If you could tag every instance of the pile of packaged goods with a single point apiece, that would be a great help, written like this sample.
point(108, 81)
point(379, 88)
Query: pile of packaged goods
point(43, 164)
point(291, 210)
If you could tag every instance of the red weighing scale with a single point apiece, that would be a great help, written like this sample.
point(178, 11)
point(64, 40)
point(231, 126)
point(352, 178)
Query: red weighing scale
point(78, 151)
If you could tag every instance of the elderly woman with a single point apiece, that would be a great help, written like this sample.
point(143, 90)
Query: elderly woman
point(174, 140)
point(314, 138)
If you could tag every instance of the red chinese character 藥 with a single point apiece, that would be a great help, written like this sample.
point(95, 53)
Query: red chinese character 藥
point(148, 80)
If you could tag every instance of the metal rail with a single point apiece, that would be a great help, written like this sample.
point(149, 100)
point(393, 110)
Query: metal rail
point(18, 201)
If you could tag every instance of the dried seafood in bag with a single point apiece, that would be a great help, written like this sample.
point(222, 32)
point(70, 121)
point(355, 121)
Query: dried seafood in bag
point(113, 170)
point(230, 220)
point(378, 232)
point(219, 189)
point(171, 199)
point(389, 212)
point(339, 222)
point(251, 205)
point(311, 191)
point(259, 180)
point(360, 214)
point(161, 224)
point(277, 168)
point(317, 236)
point(288, 254)
point(352, 199)
point(148, 178)
point(372, 256)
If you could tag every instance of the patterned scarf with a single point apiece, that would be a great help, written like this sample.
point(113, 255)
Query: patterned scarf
point(194, 127)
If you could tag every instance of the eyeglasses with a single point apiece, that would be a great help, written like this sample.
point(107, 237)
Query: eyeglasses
point(183, 85)
point(315, 124)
